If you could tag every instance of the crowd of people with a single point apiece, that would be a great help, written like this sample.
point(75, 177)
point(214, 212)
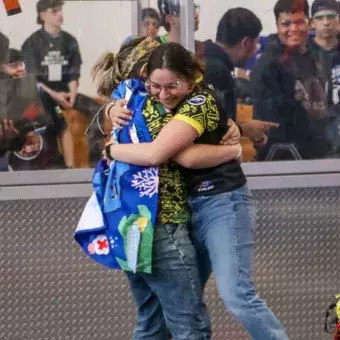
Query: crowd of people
point(290, 80)
point(174, 115)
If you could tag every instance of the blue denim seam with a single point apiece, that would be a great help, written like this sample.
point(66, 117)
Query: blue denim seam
point(190, 277)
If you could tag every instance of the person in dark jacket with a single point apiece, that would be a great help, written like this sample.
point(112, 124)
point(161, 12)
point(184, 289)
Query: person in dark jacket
point(289, 86)
point(326, 47)
point(53, 55)
point(325, 21)
point(228, 52)
point(10, 139)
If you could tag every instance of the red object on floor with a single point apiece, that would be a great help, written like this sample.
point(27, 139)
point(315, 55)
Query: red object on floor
point(12, 7)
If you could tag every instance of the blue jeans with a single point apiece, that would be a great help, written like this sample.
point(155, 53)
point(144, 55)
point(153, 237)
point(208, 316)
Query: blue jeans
point(171, 298)
point(3, 163)
point(223, 230)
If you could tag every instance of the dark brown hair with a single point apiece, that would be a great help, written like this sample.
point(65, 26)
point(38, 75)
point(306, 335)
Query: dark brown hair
point(291, 6)
point(44, 5)
point(174, 57)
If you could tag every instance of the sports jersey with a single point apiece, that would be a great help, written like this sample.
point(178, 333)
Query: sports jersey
point(204, 113)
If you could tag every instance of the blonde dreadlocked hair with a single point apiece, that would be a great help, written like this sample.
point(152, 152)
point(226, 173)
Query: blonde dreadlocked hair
point(111, 68)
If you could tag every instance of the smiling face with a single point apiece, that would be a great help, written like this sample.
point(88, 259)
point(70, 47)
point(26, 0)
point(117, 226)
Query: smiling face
point(168, 87)
point(293, 29)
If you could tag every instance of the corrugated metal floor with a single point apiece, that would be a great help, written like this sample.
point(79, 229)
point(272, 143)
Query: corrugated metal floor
point(50, 291)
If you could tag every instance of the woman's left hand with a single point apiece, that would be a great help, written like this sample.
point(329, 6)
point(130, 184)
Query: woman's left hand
point(233, 135)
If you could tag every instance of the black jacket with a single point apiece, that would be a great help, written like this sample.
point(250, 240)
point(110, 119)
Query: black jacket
point(219, 73)
point(291, 90)
point(41, 51)
point(325, 58)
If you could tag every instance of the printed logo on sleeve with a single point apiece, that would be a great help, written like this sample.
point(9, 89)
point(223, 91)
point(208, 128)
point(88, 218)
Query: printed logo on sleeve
point(197, 100)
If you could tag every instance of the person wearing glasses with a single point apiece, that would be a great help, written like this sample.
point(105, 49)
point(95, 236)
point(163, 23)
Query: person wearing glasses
point(289, 86)
point(325, 21)
point(326, 47)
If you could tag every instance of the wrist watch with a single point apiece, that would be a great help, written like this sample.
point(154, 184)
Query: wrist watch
point(108, 152)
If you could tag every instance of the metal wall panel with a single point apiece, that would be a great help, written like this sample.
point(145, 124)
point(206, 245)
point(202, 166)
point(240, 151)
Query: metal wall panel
point(49, 290)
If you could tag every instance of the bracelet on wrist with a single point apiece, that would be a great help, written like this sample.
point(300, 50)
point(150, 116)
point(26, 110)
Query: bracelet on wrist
point(108, 152)
point(113, 103)
point(239, 152)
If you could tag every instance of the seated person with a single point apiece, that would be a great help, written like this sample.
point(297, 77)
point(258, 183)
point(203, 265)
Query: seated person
point(31, 150)
point(15, 67)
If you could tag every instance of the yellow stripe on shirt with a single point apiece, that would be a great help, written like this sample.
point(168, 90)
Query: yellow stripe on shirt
point(192, 122)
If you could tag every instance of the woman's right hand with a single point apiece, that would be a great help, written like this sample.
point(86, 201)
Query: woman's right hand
point(118, 114)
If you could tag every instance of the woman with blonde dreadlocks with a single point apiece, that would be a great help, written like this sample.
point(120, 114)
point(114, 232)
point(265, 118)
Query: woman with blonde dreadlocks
point(171, 295)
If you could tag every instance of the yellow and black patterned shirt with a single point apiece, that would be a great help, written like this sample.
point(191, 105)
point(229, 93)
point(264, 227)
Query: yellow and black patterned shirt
point(172, 189)
point(203, 112)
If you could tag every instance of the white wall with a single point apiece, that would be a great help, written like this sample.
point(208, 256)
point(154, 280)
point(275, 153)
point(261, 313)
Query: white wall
point(101, 26)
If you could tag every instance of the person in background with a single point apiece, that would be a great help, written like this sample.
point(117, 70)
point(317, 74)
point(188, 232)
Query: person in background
point(252, 61)
point(218, 71)
point(31, 150)
point(236, 42)
point(15, 67)
point(171, 21)
point(325, 22)
point(10, 139)
point(150, 24)
point(53, 55)
point(325, 45)
point(289, 87)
